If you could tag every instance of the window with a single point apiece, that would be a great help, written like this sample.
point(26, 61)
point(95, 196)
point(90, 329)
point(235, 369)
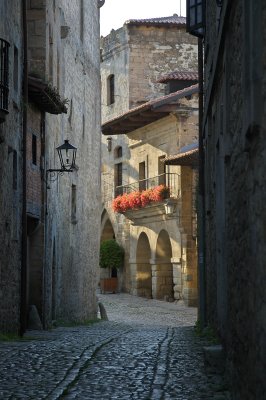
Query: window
point(15, 208)
point(195, 17)
point(142, 176)
point(110, 90)
point(34, 149)
point(74, 204)
point(15, 70)
point(118, 179)
point(4, 86)
point(15, 170)
point(161, 170)
point(118, 152)
point(51, 55)
point(81, 22)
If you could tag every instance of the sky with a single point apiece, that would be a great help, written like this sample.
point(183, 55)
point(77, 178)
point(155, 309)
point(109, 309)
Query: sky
point(115, 12)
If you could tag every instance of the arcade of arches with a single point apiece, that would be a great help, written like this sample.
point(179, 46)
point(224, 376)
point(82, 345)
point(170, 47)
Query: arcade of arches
point(156, 263)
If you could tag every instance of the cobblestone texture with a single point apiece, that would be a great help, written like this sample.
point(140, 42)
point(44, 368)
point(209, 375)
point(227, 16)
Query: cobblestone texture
point(147, 350)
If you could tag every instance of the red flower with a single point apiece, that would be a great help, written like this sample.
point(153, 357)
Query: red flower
point(145, 197)
point(135, 200)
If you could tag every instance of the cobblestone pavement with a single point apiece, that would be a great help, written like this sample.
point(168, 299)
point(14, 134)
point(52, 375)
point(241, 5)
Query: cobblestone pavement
point(147, 350)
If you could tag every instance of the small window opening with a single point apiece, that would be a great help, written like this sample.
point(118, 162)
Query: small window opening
point(110, 90)
point(15, 170)
point(81, 22)
point(15, 71)
point(118, 152)
point(34, 149)
point(74, 204)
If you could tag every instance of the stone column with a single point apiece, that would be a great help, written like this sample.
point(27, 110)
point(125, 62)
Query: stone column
point(162, 279)
point(133, 277)
point(177, 277)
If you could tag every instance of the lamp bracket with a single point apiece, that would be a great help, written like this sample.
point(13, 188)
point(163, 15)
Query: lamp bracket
point(53, 175)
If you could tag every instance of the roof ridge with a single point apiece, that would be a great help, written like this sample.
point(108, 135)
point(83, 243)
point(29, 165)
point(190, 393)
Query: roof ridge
point(172, 19)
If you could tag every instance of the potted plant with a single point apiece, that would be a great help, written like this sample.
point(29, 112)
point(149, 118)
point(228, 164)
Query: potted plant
point(111, 258)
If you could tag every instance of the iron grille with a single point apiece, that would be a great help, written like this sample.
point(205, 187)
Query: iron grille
point(4, 61)
point(171, 180)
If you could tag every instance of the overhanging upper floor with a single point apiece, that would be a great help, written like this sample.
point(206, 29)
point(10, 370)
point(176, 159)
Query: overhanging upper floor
point(149, 112)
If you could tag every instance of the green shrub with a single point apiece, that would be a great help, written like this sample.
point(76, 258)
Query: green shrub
point(111, 254)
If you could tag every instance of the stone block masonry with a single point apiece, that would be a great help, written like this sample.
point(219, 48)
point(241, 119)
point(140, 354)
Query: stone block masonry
point(11, 173)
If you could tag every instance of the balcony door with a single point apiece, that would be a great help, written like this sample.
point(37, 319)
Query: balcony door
point(142, 176)
point(118, 179)
point(161, 170)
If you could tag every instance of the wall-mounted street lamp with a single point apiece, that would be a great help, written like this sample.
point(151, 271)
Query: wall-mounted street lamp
point(171, 208)
point(196, 17)
point(67, 156)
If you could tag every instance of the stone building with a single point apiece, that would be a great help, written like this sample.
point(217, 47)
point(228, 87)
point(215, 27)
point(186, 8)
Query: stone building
point(11, 177)
point(136, 64)
point(60, 249)
point(233, 125)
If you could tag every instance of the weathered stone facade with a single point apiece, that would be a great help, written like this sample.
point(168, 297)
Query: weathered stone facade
point(11, 172)
point(234, 133)
point(136, 56)
point(62, 216)
point(163, 262)
point(71, 60)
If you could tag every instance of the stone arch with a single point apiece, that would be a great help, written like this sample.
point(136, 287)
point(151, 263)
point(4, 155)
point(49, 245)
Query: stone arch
point(107, 230)
point(143, 279)
point(162, 269)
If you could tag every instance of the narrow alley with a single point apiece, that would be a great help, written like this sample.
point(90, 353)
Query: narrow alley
point(146, 350)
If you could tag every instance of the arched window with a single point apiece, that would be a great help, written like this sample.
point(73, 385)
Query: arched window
point(110, 89)
point(118, 152)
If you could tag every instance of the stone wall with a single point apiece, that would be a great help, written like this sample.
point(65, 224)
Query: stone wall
point(137, 56)
point(11, 173)
point(153, 52)
point(73, 221)
point(235, 189)
point(175, 275)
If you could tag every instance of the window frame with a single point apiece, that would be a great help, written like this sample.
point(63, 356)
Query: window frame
point(196, 26)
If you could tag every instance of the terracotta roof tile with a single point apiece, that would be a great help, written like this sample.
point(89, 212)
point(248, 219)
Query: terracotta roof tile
point(179, 75)
point(188, 155)
point(153, 107)
point(156, 102)
point(172, 20)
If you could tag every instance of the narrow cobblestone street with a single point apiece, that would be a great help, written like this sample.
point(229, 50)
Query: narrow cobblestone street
point(147, 350)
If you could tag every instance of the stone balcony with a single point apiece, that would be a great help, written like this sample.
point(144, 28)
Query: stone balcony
point(167, 207)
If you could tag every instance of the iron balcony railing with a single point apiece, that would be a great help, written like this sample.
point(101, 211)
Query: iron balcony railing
point(4, 86)
point(171, 180)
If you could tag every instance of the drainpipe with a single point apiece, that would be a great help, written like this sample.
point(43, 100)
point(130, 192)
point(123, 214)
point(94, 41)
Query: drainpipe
point(201, 198)
point(23, 300)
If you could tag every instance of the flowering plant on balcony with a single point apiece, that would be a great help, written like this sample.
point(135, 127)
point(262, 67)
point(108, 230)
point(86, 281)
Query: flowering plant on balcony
point(136, 200)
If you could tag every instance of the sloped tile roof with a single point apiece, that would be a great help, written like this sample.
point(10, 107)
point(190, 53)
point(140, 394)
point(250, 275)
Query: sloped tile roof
point(187, 156)
point(145, 113)
point(172, 20)
point(179, 75)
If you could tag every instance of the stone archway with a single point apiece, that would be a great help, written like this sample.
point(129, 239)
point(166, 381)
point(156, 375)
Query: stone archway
point(162, 269)
point(143, 281)
point(107, 231)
